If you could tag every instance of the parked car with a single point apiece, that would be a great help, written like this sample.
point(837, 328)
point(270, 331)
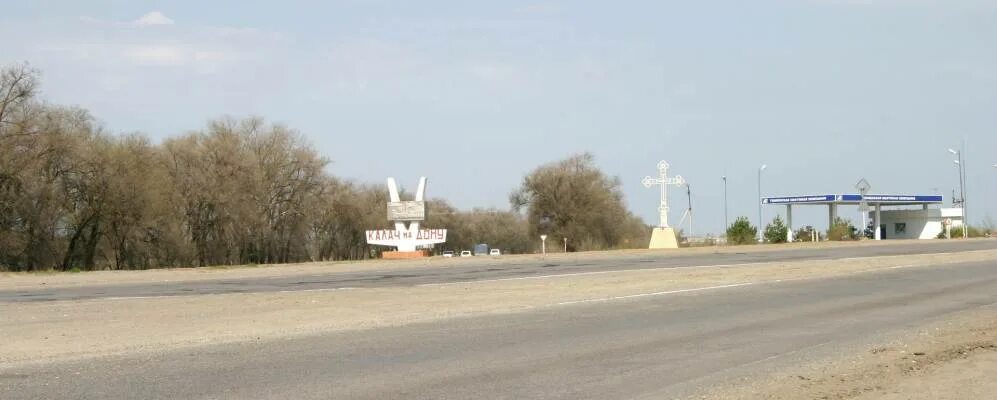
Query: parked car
point(465, 253)
point(448, 254)
point(495, 252)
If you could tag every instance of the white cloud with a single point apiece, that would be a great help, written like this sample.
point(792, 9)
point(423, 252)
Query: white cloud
point(131, 53)
point(158, 54)
point(153, 18)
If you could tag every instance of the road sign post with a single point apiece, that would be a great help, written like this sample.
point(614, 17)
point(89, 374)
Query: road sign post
point(863, 187)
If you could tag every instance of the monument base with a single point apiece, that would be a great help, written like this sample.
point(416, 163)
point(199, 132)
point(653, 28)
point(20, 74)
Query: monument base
point(664, 238)
point(404, 255)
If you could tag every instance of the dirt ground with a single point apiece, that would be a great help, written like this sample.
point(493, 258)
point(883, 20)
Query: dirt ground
point(955, 358)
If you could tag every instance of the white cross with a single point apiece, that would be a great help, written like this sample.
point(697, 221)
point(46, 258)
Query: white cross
point(664, 181)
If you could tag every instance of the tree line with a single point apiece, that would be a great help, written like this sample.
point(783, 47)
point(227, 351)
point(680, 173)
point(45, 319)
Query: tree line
point(239, 191)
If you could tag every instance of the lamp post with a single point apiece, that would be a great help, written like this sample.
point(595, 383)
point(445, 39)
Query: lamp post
point(961, 166)
point(760, 169)
point(726, 224)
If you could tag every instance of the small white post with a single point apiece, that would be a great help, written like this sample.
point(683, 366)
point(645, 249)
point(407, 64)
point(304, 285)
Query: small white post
point(789, 223)
point(543, 244)
point(565, 245)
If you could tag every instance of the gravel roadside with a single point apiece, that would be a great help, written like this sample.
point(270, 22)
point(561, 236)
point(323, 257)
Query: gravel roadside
point(954, 358)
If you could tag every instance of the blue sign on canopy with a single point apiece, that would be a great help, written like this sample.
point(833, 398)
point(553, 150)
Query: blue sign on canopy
point(896, 199)
point(799, 199)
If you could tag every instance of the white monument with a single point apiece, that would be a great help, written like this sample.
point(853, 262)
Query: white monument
point(663, 236)
point(411, 237)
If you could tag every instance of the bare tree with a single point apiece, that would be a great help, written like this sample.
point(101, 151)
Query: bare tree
point(18, 86)
point(573, 199)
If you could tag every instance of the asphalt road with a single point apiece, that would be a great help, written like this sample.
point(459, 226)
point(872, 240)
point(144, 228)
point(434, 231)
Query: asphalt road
point(655, 347)
point(459, 270)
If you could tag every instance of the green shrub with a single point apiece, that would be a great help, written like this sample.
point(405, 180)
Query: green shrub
point(804, 234)
point(842, 230)
point(971, 230)
point(742, 232)
point(776, 231)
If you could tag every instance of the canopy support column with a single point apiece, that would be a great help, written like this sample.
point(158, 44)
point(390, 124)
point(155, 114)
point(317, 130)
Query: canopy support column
point(876, 221)
point(832, 214)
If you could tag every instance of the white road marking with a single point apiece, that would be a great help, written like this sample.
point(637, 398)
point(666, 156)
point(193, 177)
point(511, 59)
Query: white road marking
point(212, 294)
point(760, 361)
point(788, 353)
point(130, 297)
point(582, 274)
point(699, 289)
point(630, 296)
point(316, 290)
point(943, 253)
point(663, 268)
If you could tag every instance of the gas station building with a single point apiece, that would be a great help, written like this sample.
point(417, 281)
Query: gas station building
point(909, 216)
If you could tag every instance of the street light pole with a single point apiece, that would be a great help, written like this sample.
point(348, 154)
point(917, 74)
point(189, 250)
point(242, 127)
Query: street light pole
point(726, 223)
point(760, 169)
point(962, 187)
point(961, 165)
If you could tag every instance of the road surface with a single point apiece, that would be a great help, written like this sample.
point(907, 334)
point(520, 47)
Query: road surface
point(655, 347)
point(473, 270)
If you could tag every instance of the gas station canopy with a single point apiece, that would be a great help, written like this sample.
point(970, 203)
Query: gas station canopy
point(856, 199)
point(832, 201)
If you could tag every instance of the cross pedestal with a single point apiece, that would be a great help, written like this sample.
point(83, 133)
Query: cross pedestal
point(663, 236)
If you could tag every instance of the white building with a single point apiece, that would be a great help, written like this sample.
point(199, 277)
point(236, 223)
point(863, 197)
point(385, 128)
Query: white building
point(925, 223)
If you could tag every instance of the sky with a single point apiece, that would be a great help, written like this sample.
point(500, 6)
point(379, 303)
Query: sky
point(474, 95)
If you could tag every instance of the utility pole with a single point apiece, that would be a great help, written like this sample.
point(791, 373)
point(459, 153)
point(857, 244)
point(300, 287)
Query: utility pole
point(960, 163)
point(688, 211)
point(726, 223)
point(760, 169)
point(962, 189)
point(688, 194)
